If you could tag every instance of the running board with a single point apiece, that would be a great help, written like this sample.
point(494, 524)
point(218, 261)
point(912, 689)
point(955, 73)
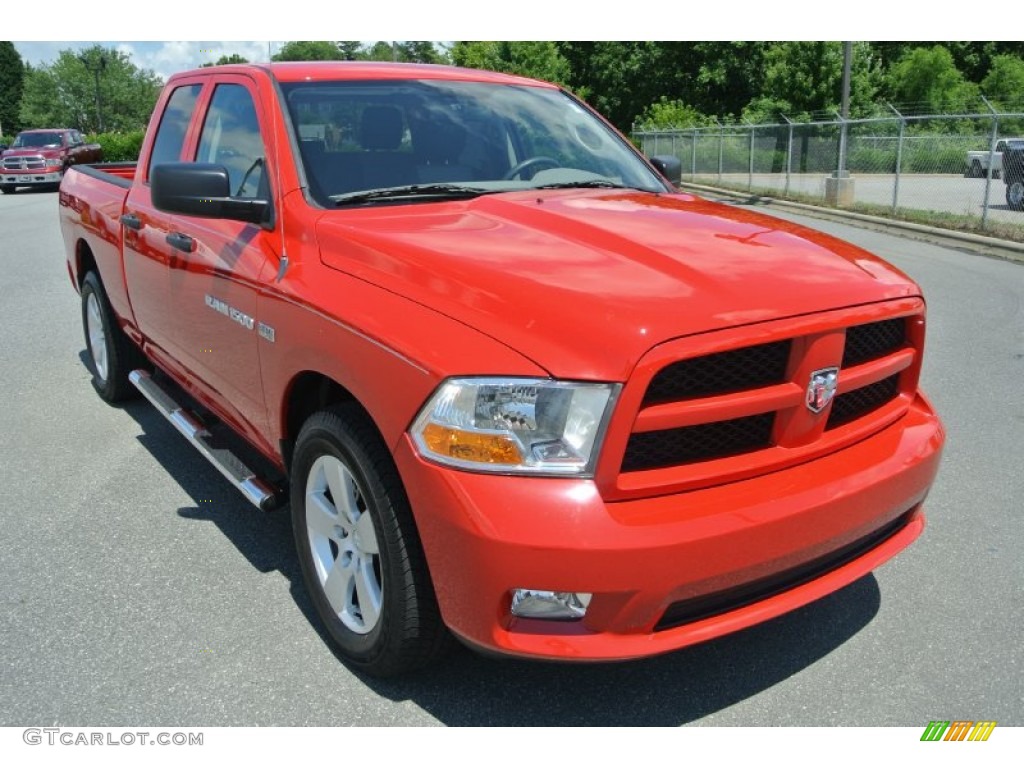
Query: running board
point(244, 479)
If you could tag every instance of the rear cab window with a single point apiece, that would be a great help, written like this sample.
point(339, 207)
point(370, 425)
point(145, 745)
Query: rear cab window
point(173, 129)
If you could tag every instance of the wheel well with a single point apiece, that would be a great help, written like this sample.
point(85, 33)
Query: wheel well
point(309, 392)
point(86, 262)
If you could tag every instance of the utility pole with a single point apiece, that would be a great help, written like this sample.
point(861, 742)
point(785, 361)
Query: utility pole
point(839, 186)
point(96, 65)
point(847, 66)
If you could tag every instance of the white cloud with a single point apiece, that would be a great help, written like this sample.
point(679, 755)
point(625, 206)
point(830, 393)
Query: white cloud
point(164, 58)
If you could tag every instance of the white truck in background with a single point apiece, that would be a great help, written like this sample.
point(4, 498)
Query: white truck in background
point(977, 161)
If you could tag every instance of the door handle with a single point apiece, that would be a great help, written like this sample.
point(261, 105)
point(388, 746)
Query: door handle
point(181, 242)
point(131, 221)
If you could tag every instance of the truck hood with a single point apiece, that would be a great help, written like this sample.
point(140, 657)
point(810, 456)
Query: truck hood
point(33, 151)
point(584, 282)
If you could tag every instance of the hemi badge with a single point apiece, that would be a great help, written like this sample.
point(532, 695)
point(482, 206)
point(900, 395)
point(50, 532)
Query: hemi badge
point(265, 331)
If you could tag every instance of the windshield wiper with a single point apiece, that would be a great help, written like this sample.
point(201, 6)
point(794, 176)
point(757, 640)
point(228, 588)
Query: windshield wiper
point(423, 192)
point(585, 184)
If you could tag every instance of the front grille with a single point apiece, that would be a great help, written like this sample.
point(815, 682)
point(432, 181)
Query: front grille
point(668, 447)
point(724, 372)
point(750, 402)
point(32, 163)
point(860, 402)
point(873, 340)
point(706, 606)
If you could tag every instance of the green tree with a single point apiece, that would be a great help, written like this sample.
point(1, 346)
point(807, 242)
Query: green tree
point(728, 75)
point(666, 113)
point(12, 79)
point(410, 51)
point(309, 50)
point(233, 58)
point(973, 58)
point(420, 52)
point(537, 59)
point(806, 77)
point(351, 50)
point(617, 77)
point(64, 93)
point(927, 81)
point(622, 79)
point(382, 51)
point(1004, 83)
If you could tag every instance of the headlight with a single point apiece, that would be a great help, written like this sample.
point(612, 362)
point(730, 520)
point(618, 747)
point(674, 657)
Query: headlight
point(530, 426)
point(53, 161)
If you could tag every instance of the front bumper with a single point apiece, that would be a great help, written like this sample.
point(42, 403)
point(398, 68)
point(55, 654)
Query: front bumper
point(669, 571)
point(30, 178)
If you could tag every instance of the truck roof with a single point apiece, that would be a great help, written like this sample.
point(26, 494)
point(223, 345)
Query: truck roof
point(294, 71)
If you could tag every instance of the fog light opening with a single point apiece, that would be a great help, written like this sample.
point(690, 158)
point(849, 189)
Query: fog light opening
point(543, 604)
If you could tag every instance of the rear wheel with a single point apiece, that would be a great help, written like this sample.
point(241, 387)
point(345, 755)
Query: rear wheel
point(112, 355)
point(975, 171)
point(1015, 195)
point(358, 546)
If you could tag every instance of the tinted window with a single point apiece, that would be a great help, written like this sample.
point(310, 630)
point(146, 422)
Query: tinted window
point(231, 137)
point(170, 136)
point(37, 140)
point(357, 136)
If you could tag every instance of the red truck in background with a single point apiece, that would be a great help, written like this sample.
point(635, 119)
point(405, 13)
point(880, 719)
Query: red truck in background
point(40, 157)
point(512, 384)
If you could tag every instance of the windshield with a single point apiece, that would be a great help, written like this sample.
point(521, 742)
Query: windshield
point(360, 137)
point(37, 140)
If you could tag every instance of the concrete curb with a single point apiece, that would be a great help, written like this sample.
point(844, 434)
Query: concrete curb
point(987, 246)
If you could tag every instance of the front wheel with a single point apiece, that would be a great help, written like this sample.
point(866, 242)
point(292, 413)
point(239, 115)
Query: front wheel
point(358, 546)
point(1015, 195)
point(975, 171)
point(7, 189)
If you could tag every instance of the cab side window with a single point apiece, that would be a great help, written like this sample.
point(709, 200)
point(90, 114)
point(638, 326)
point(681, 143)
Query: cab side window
point(231, 137)
point(170, 136)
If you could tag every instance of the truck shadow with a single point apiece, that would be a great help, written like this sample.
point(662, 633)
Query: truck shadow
point(466, 689)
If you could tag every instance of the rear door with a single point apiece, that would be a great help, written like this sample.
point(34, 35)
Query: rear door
point(215, 272)
point(145, 229)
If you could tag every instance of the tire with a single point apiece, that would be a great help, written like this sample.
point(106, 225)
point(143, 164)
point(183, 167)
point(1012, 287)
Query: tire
point(1015, 195)
point(8, 189)
point(112, 355)
point(361, 560)
point(975, 171)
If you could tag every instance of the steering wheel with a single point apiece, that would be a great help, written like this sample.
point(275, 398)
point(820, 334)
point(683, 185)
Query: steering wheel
point(530, 162)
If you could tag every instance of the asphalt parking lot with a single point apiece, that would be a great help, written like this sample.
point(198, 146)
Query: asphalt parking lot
point(140, 588)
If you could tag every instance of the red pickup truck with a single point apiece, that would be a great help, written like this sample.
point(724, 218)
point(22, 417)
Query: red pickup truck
point(512, 384)
point(40, 157)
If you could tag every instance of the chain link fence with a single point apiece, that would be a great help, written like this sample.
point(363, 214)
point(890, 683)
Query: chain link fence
point(928, 168)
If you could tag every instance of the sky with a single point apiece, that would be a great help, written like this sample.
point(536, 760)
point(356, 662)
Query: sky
point(164, 58)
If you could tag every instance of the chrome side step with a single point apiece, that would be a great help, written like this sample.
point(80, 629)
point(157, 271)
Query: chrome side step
point(228, 464)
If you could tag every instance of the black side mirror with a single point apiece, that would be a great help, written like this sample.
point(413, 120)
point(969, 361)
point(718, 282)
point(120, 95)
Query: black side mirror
point(668, 166)
point(203, 189)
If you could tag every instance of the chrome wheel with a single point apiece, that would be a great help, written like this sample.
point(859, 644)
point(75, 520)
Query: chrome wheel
point(97, 336)
point(343, 544)
point(358, 546)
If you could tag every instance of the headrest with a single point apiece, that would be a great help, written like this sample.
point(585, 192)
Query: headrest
point(381, 128)
point(438, 141)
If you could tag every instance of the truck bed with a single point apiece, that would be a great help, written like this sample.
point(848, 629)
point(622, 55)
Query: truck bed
point(121, 174)
point(92, 200)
